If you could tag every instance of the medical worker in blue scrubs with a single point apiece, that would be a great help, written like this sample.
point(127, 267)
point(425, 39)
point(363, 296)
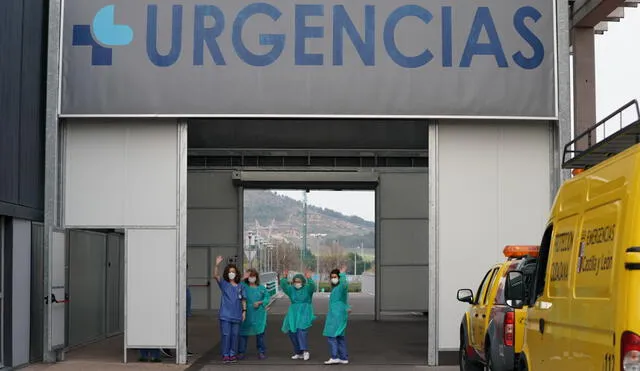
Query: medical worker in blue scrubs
point(233, 309)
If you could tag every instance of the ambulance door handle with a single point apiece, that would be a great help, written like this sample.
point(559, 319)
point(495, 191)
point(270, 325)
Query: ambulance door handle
point(541, 325)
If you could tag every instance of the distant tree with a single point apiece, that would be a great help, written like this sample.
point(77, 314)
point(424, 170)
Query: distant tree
point(362, 265)
point(333, 256)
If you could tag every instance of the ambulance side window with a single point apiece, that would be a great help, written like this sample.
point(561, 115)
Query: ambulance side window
point(490, 286)
point(481, 287)
point(541, 269)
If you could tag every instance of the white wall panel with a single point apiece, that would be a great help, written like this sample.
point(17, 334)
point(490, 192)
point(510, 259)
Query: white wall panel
point(151, 275)
point(494, 189)
point(117, 171)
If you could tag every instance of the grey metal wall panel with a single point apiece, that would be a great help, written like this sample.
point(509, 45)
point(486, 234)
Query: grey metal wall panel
point(20, 298)
point(405, 196)
point(211, 190)
point(21, 104)
point(213, 216)
point(87, 272)
point(37, 291)
point(199, 276)
point(212, 227)
point(404, 236)
point(404, 241)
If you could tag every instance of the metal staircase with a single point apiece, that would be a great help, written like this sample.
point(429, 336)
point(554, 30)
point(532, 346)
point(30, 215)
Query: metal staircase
point(594, 145)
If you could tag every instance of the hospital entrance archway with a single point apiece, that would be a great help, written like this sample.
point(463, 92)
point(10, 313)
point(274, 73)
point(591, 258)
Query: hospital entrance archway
point(217, 178)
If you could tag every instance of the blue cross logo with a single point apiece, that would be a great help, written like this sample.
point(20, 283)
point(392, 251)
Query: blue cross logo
point(106, 34)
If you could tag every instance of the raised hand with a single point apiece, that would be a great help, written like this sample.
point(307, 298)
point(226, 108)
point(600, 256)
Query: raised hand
point(343, 268)
point(246, 275)
point(308, 274)
point(219, 260)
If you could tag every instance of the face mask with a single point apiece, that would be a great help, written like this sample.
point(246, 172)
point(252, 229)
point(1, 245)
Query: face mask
point(232, 276)
point(252, 280)
point(335, 281)
point(297, 285)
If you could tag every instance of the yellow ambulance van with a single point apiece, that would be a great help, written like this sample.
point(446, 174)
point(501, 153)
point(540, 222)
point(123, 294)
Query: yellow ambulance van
point(584, 299)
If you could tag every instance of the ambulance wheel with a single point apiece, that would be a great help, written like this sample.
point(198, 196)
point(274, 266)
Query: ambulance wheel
point(465, 363)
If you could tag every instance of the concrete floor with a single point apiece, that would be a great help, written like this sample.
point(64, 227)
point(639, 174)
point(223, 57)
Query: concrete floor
point(397, 342)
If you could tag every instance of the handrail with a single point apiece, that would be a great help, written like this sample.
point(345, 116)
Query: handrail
point(589, 132)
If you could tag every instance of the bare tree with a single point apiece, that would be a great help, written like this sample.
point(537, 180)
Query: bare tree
point(332, 257)
point(287, 256)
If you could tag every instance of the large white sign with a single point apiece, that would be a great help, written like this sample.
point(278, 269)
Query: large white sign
point(413, 58)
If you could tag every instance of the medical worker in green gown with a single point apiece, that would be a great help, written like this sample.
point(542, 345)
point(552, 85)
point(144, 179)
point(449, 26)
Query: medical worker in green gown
point(336, 323)
point(300, 315)
point(258, 300)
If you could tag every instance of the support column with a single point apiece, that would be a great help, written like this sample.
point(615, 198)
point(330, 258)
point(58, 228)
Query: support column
point(52, 164)
point(584, 86)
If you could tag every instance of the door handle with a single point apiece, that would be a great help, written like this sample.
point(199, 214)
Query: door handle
point(541, 325)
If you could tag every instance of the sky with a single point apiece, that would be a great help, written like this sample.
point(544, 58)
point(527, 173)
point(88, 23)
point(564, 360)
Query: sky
point(617, 55)
point(617, 82)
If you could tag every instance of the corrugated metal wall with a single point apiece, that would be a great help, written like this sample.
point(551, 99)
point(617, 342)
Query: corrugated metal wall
point(23, 51)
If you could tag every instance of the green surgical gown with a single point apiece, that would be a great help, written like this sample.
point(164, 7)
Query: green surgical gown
point(256, 320)
point(336, 322)
point(300, 314)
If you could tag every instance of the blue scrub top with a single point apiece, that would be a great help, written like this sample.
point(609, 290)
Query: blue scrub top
point(231, 301)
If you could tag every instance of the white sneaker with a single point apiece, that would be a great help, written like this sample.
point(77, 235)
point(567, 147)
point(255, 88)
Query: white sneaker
point(306, 356)
point(344, 361)
point(296, 356)
point(332, 361)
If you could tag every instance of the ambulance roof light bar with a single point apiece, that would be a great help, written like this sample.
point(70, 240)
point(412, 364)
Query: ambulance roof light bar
point(519, 251)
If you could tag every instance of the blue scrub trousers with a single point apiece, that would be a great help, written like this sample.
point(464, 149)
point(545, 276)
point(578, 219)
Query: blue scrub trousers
point(188, 302)
point(338, 348)
point(242, 348)
point(229, 335)
point(299, 341)
point(150, 353)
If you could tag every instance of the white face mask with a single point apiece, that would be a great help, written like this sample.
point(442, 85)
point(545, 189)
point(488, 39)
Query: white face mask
point(232, 276)
point(297, 285)
point(252, 280)
point(335, 280)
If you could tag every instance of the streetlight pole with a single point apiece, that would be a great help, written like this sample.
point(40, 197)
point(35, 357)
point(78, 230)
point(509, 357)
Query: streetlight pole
point(304, 230)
